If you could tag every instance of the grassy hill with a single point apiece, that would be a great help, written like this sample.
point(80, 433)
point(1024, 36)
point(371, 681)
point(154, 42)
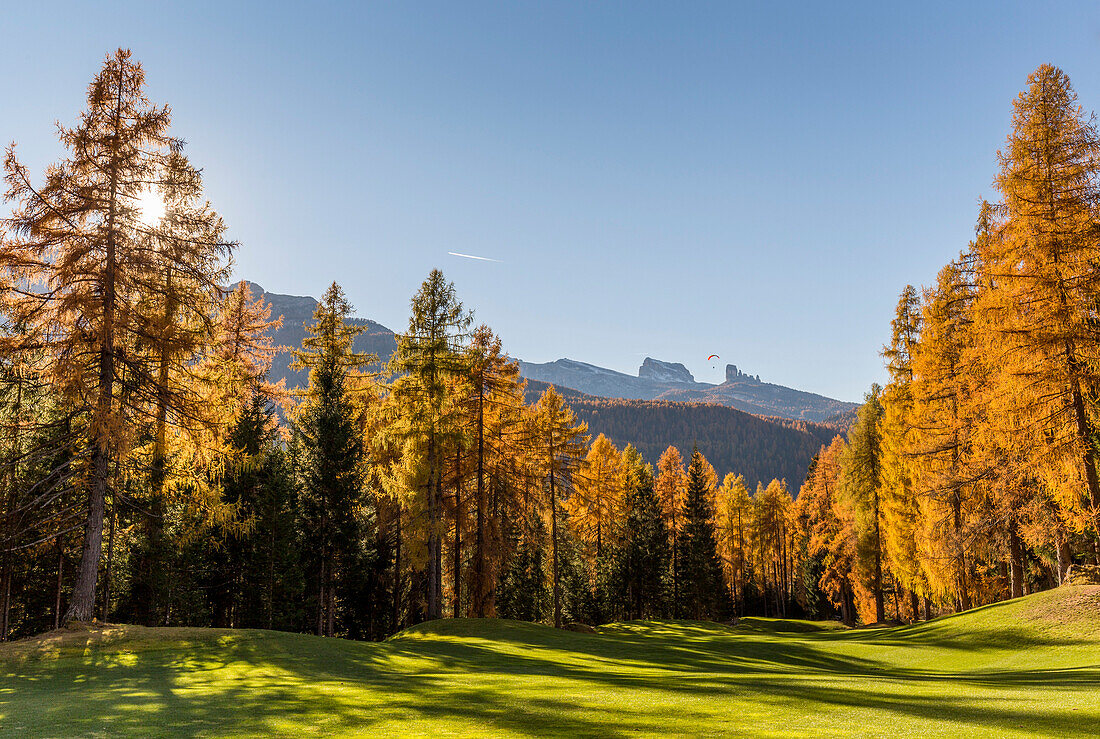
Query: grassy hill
point(1023, 668)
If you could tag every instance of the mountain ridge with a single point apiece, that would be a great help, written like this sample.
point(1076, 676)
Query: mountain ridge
point(660, 380)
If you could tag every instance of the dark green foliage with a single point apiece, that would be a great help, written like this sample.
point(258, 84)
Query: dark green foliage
point(578, 598)
point(524, 592)
point(259, 578)
point(703, 592)
point(328, 459)
point(644, 555)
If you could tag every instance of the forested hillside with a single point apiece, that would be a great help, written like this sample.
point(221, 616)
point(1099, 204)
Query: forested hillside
point(761, 449)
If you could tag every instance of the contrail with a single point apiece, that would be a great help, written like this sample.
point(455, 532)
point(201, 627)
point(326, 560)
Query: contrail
point(471, 256)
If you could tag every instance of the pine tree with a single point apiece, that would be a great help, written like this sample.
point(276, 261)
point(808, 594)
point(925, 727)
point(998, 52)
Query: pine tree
point(598, 499)
point(329, 452)
point(494, 405)
point(734, 527)
point(771, 518)
point(644, 553)
point(861, 478)
point(831, 533)
point(940, 434)
point(900, 506)
point(702, 590)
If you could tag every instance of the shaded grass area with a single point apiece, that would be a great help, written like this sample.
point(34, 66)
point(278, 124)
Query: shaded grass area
point(1024, 668)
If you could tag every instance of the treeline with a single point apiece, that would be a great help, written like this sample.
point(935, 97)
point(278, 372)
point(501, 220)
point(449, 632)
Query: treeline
point(972, 476)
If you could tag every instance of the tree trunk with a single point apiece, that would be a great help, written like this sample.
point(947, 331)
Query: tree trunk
point(1015, 562)
point(458, 535)
point(927, 605)
point(961, 583)
point(60, 581)
point(1084, 432)
point(880, 608)
point(154, 522)
point(435, 544)
point(481, 575)
point(1065, 558)
point(914, 606)
point(82, 602)
point(330, 608)
point(554, 542)
point(269, 605)
point(397, 574)
point(110, 560)
point(321, 600)
point(5, 588)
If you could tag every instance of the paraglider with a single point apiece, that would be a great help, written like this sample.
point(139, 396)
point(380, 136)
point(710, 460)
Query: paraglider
point(713, 356)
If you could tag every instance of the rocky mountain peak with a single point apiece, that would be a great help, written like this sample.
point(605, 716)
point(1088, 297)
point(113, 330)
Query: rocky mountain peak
point(658, 371)
point(734, 375)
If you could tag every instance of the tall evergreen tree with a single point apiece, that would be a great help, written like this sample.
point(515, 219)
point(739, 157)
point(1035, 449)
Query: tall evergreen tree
point(1047, 266)
point(329, 453)
point(702, 590)
point(644, 553)
point(495, 401)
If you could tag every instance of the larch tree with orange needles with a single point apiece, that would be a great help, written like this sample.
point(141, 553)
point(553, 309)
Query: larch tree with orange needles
point(559, 443)
point(1048, 270)
point(86, 276)
point(670, 484)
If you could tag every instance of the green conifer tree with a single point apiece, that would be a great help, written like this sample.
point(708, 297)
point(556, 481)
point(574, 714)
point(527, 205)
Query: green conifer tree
point(329, 457)
point(702, 588)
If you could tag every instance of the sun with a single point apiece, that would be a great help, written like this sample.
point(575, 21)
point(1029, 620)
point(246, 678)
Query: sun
point(150, 206)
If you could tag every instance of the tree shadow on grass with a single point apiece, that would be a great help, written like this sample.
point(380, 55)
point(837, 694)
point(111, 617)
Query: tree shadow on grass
point(491, 681)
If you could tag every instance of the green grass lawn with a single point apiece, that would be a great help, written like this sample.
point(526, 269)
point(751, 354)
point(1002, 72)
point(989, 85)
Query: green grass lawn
point(1025, 668)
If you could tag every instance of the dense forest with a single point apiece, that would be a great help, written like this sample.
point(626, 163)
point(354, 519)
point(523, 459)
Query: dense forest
point(761, 449)
point(151, 473)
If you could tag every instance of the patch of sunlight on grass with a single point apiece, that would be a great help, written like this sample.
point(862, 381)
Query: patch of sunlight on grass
point(1025, 668)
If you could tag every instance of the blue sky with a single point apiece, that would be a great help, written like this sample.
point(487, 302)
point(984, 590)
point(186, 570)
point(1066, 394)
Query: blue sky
point(757, 181)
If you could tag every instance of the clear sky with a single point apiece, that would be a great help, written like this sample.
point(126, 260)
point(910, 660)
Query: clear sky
point(671, 179)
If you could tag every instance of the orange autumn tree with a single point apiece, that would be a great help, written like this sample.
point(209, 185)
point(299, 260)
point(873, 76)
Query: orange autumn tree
point(81, 272)
point(900, 504)
point(831, 528)
point(557, 452)
point(598, 500)
point(1047, 268)
point(670, 485)
point(734, 518)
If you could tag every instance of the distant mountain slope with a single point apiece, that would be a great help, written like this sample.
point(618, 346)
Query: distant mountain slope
point(297, 312)
point(646, 410)
point(659, 380)
point(733, 441)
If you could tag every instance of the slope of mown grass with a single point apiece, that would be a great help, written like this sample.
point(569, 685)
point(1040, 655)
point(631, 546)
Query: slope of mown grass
point(1025, 668)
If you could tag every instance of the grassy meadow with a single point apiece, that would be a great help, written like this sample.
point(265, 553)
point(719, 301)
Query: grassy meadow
point(1021, 668)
